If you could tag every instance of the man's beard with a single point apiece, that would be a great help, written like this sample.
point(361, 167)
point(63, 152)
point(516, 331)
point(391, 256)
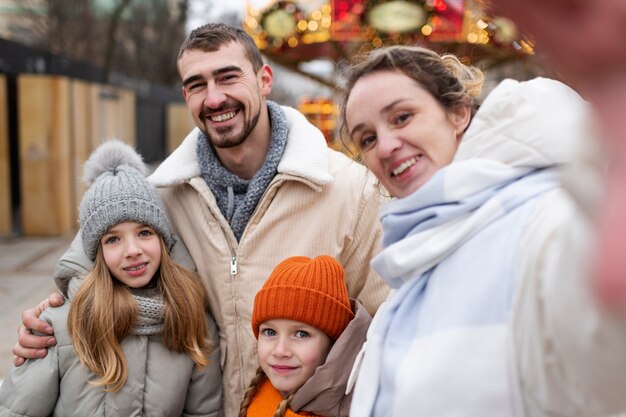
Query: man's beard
point(221, 139)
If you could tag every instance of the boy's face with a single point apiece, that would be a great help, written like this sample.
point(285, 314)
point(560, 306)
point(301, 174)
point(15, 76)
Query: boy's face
point(290, 351)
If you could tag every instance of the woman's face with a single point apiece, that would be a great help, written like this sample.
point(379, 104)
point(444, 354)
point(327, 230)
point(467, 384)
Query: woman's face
point(404, 134)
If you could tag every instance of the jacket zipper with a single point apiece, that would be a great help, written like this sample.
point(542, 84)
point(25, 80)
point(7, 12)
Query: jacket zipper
point(233, 266)
point(233, 256)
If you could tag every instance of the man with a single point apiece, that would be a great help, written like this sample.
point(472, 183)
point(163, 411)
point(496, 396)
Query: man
point(253, 185)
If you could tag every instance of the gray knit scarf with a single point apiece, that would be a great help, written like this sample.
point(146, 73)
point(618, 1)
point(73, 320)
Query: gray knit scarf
point(244, 194)
point(149, 303)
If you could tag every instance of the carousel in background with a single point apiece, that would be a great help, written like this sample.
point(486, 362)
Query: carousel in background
point(292, 32)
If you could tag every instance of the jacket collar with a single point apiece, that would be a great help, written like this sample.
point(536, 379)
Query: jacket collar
point(325, 392)
point(306, 155)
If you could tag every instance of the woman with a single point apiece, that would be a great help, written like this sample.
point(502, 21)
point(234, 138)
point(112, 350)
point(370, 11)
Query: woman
point(491, 314)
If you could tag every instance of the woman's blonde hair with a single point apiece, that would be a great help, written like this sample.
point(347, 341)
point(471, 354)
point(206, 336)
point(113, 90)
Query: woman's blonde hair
point(252, 389)
point(104, 312)
point(452, 83)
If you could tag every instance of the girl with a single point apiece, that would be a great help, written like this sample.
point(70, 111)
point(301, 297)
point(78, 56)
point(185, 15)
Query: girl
point(492, 313)
point(308, 334)
point(133, 338)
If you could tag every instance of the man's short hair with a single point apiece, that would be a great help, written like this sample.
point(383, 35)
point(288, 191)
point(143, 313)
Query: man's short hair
point(213, 36)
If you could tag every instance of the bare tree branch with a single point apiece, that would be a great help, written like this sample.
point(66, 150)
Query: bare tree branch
point(111, 32)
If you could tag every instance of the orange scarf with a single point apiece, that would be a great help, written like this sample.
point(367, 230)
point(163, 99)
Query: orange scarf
point(266, 401)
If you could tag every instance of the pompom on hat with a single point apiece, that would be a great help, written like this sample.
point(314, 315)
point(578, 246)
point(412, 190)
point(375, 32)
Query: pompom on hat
point(312, 291)
point(118, 192)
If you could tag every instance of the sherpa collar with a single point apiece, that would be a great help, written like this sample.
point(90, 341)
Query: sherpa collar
point(306, 155)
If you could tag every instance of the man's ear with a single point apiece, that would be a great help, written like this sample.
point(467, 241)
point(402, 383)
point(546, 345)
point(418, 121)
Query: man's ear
point(184, 93)
point(266, 78)
point(460, 119)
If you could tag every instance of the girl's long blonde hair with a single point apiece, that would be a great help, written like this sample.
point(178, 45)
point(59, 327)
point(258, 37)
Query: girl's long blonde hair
point(104, 312)
point(252, 389)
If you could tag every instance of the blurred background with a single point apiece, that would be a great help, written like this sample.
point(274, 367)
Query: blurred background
point(76, 72)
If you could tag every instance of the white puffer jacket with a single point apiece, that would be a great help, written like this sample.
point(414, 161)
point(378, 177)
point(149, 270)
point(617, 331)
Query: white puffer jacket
point(493, 313)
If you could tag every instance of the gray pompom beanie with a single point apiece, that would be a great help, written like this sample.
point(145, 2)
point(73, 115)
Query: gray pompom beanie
point(118, 192)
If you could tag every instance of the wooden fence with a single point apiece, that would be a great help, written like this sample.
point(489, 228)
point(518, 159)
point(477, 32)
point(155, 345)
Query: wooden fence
point(5, 182)
point(60, 121)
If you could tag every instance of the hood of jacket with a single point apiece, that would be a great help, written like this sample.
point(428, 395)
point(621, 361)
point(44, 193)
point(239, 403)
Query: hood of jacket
point(533, 124)
point(325, 392)
point(512, 152)
point(306, 155)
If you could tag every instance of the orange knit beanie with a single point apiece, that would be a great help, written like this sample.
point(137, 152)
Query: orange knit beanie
point(312, 291)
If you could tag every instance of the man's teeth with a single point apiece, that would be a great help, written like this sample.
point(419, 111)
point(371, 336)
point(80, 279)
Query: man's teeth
point(223, 117)
point(404, 166)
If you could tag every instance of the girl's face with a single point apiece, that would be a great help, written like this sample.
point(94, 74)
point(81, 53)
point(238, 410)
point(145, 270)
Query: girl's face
point(132, 252)
point(404, 134)
point(290, 351)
